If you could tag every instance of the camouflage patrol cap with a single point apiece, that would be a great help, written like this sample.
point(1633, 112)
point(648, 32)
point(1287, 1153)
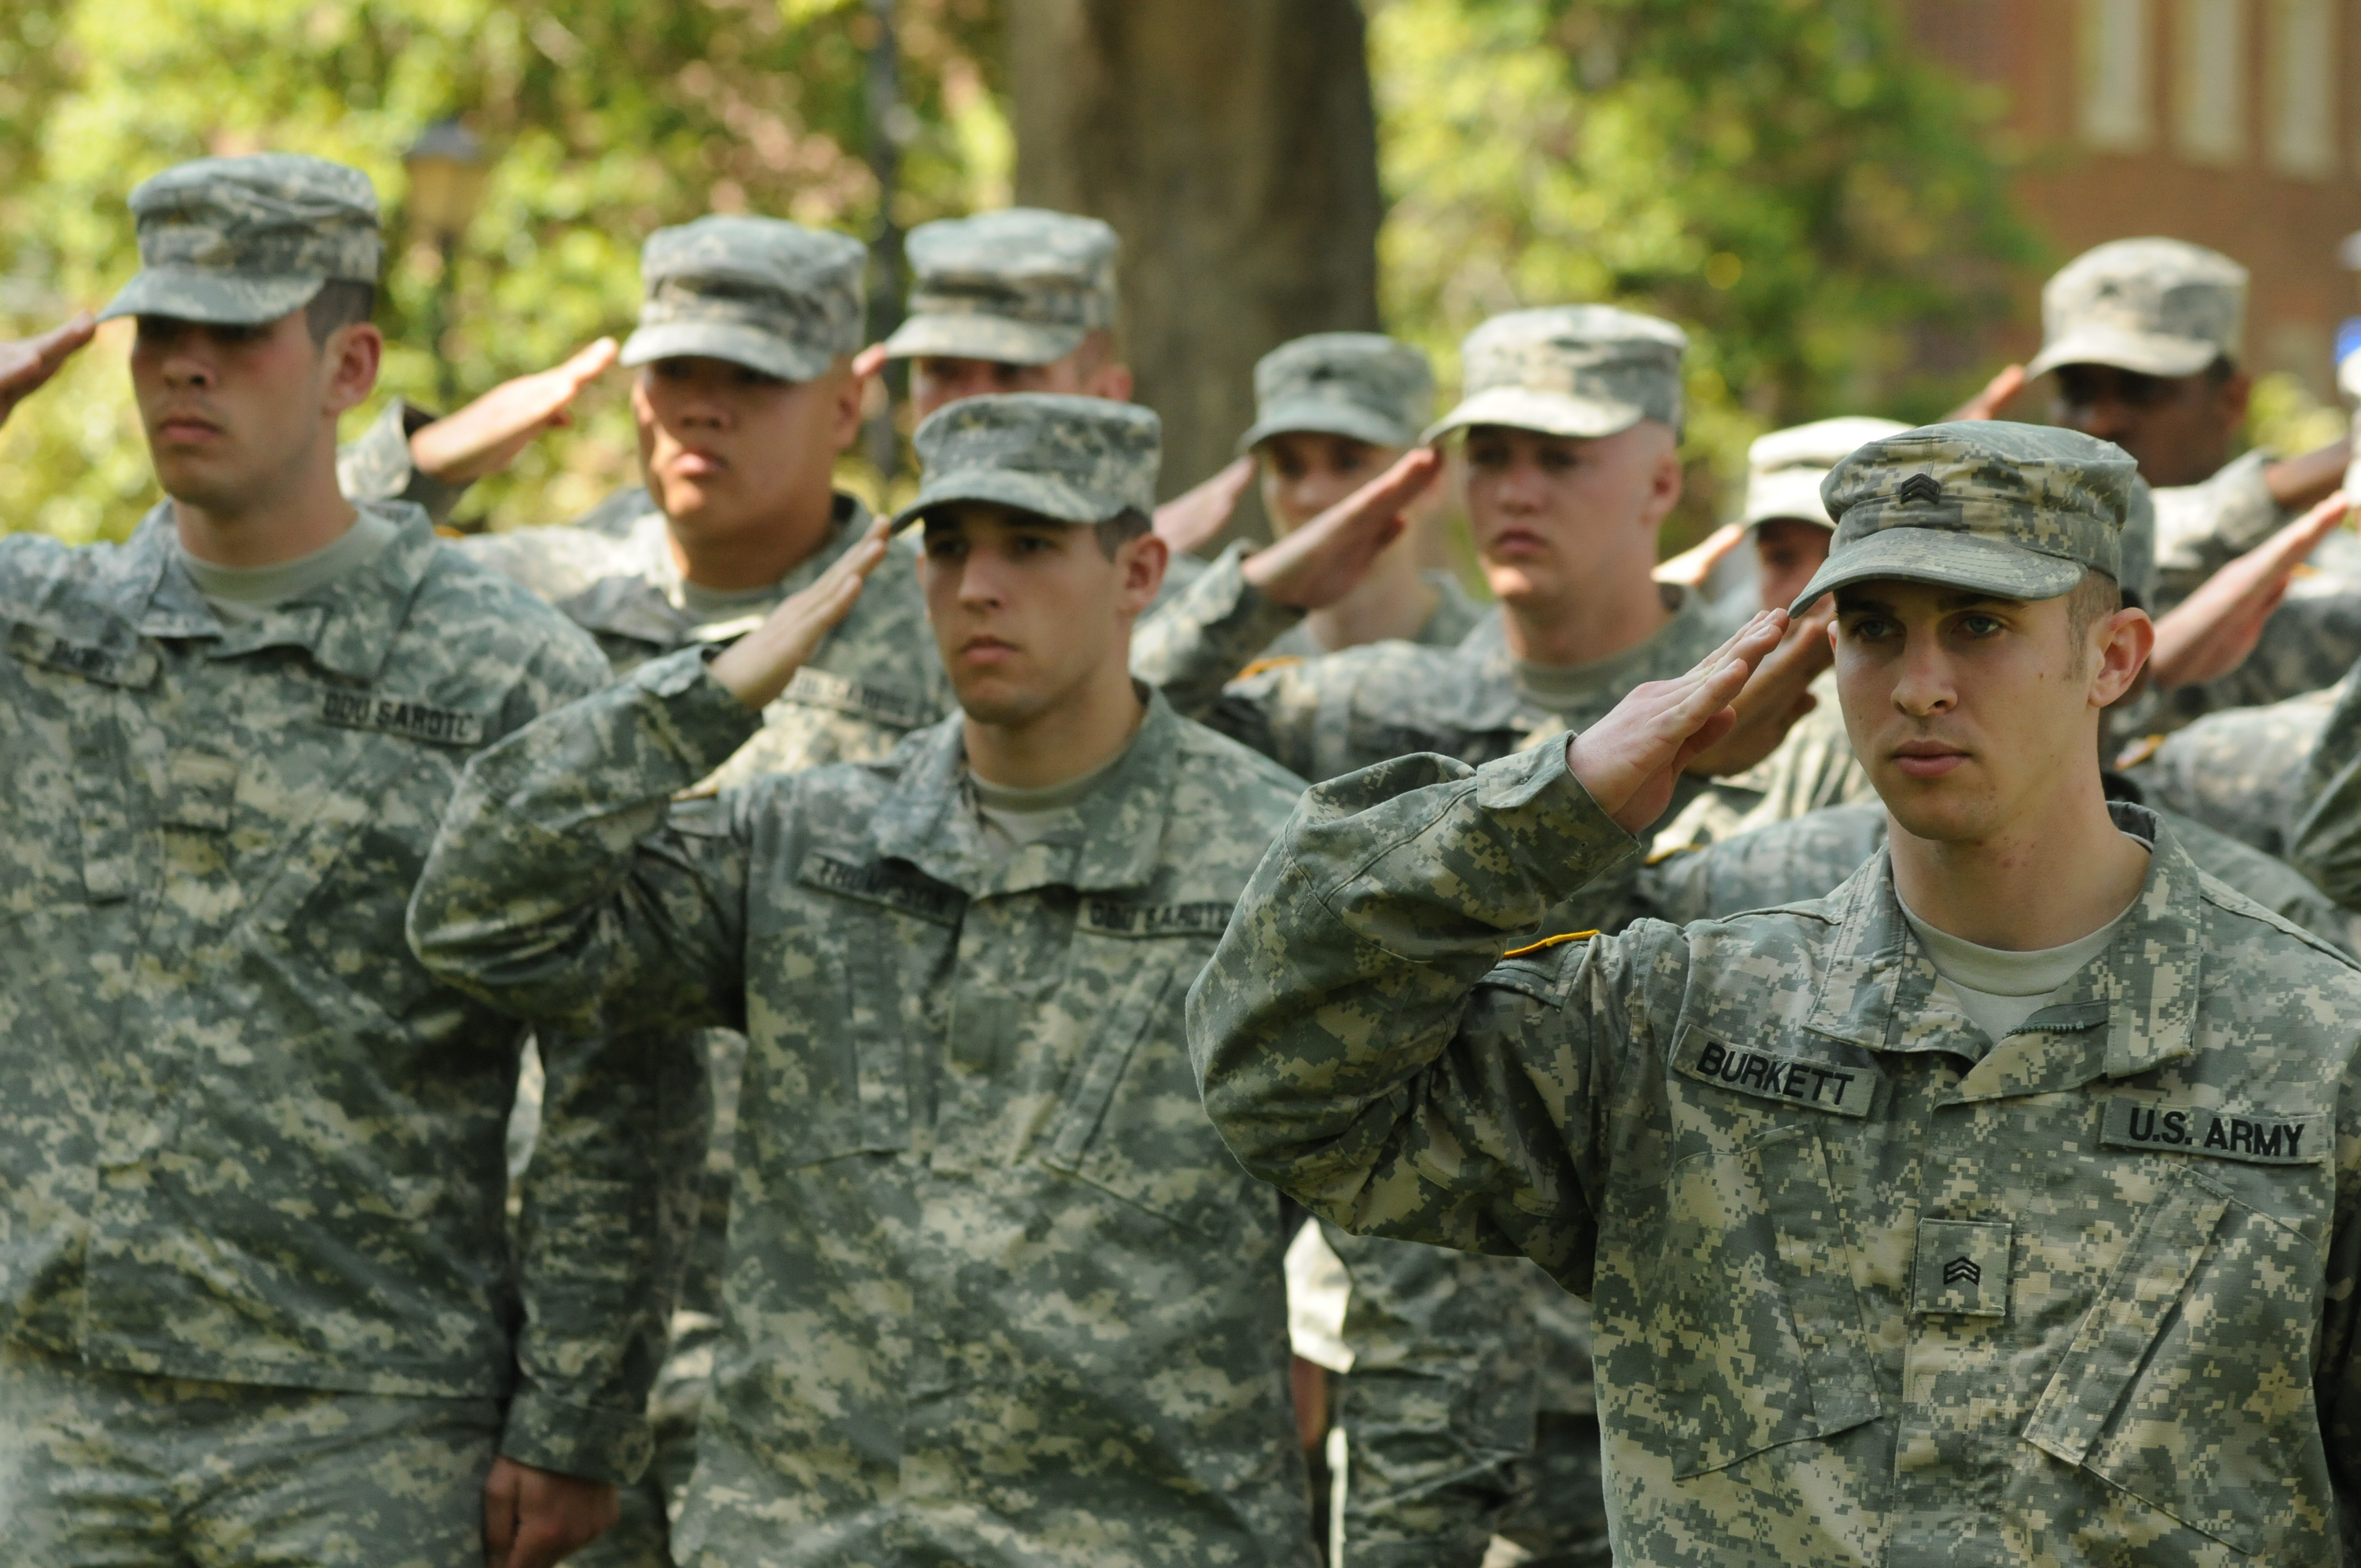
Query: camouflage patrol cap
point(1019, 287)
point(238, 241)
point(762, 292)
point(1783, 469)
point(2013, 510)
point(2159, 307)
point(1359, 384)
point(1071, 459)
point(1582, 370)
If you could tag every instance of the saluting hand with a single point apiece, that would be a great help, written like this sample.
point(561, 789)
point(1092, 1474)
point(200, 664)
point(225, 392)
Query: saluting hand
point(1326, 559)
point(1630, 760)
point(485, 436)
point(1775, 696)
point(1986, 404)
point(1197, 514)
point(2211, 632)
point(27, 363)
point(758, 666)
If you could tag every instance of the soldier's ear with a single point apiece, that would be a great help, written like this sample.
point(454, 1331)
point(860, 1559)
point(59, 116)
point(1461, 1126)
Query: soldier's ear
point(355, 353)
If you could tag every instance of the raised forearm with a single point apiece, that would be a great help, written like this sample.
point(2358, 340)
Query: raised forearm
point(539, 895)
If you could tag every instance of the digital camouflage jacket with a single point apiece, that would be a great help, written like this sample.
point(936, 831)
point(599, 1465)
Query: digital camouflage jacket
point(1869, 1287)
point(248, 1137)
point(995, 1292)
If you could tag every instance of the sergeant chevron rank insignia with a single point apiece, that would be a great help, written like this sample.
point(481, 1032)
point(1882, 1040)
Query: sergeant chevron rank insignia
point(2257, 1137)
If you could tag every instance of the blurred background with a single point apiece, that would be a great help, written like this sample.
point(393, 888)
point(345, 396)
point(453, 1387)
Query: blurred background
point(1850, 204)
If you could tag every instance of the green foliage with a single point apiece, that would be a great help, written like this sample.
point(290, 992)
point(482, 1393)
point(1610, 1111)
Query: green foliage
point(1786, 177)
point(608, 118)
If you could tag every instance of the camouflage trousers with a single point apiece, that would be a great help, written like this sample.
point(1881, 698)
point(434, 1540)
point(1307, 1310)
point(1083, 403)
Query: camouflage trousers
point(103, 1469)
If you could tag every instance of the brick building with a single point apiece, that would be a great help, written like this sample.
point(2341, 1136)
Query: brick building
point(2236, 124)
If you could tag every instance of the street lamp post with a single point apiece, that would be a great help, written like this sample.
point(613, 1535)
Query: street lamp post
point(446, 172)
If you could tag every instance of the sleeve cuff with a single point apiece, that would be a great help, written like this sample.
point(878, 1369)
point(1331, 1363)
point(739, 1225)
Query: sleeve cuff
point(592, 1442)
point(698, 720)
point(378, 467)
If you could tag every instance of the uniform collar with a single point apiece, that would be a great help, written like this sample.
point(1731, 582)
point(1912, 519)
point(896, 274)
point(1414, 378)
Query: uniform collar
point(2142, 990)
point(1499, 703)
point(1116, 844)
point(648, 604)
point(347, 625)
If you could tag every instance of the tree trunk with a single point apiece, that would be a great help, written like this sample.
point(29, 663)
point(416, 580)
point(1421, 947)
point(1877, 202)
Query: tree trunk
point(1233, 144)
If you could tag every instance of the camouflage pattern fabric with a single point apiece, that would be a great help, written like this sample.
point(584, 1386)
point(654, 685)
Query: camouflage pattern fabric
point(995, 1292)
point(105, 1467)
point(2159, 307)
point(1363, 385)
point(2311, 640)
point(2324, 823)
point(1023, 286)
point(1805, 858)
point(1559, 1518)
point(248, 1138)
point(2016, 510)
point(2202, 527)
point(1869, 1287)
point(1812, 769)
point(875, 680)
point(1784, 469)
point(1459, 1406)
point(237, 241)
point(2239, 772)
point(379, 467)
point(1079, 460)
point(1574, 370)
point(1456, 613)
point(1329, 716)
point(762, 292)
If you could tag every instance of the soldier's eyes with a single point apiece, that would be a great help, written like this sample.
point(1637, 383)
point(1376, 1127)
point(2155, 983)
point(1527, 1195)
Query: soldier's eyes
point(1981, 626)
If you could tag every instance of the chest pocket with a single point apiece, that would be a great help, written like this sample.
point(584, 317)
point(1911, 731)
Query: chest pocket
point(85, 784)
point(2188, 1383)
point(1129, 1118)
point(1751, 1300)
point(329, 854)
point(828, 1066)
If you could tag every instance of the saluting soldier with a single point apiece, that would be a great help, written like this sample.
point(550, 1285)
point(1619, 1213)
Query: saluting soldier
point(2004, 1206)
point(1572, 419)
point(1026, 300)
point(995, 1292)
point(259, 1298)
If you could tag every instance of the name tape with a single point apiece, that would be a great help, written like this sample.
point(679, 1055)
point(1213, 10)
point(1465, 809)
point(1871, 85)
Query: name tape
point(395, 716)
point(906, 891)
point(2257, 1137)
point(1113, 917)
point(1846, 1089)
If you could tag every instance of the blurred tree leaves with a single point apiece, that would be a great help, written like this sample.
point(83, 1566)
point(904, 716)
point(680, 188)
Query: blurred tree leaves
point(1787, 179)
point(608, 118)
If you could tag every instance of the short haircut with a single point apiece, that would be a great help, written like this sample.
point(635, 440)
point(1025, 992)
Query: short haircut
point(2221, 371)
point(2088, 602)
point(1121, 530)
point(341, 302)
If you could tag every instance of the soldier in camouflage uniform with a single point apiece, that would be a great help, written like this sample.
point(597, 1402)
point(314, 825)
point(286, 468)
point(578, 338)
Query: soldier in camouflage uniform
point(2144, 337)
point(1025, 301)
point(1875, 1282)
point(995, 1292)
point(1331, 410)
point(1453, 1415)
point(260, 1302)
point(745, 400)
